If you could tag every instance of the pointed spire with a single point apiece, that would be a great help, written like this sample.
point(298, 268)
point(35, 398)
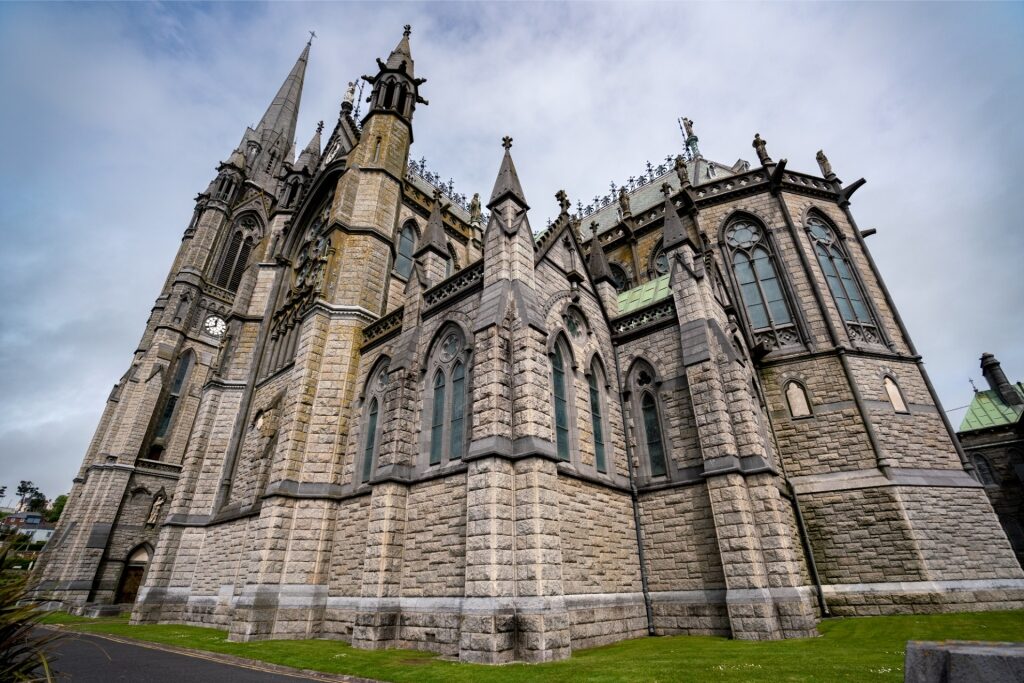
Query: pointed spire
point(283, 111)
point(433, 237)
point(597, 264)
point(310, 156)
point(673, 232)
point(507, 182)
point(402, 53)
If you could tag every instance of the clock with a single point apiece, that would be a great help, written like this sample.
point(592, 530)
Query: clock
point(215, 326)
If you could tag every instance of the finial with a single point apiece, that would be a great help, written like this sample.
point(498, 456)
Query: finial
point(506, 142)
point(408, 30)
point(666, 189)
point(688, 126)
point(319, 127)
point(312, 35)
point(437, 195)
point(563, 201)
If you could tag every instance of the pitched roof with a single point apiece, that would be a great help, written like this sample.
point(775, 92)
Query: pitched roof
point(644, 295)
point(987, 410)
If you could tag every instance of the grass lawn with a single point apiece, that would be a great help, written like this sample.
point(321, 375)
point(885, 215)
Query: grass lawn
point(849, 649)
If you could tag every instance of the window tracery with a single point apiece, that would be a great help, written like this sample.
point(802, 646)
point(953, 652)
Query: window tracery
point(768, 312)
point(244, 236)
point(445, 399)
point(842, 280)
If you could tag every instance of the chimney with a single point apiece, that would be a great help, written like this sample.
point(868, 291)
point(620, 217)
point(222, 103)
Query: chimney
point(997, 381)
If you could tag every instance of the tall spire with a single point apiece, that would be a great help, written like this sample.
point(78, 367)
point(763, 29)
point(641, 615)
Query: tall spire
point(507, 182)
point(283, 112)
point(402, 53)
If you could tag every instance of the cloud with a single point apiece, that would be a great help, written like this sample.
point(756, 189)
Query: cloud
point(116, 116)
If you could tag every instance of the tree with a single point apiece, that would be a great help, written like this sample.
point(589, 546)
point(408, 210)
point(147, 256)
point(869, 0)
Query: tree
point(57, 507)
point(3, 492)
point(25, 491)
point(37, 502)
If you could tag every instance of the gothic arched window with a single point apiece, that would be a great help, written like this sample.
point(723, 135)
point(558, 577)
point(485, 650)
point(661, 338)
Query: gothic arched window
point(652, 435)
point(406, 245)
point(236, 254)
point(760, 288)
point(841, 277)
point(560, 394)
point(374, 393)
point(596, 381)
point(620, 278)
point(445, 402)
point(986, 475)
point(892, 390)
point(659, 261)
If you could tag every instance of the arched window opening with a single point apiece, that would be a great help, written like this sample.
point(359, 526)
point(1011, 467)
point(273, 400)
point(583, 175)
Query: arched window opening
point(373, 399)
point(597, 419)
point(620, 279)
point(892, 390)
point(842, 280)
point(445, 401)
point(458, 419)
point(406, 245)
point(389, 94)
point(371, 441)
point(173, 395)
point(437, 420)
point(652, 435)
point(760, 288)
point(403, 99)
point(986, 475)
point(659, 261)
point(561, 403)
point(796, 399)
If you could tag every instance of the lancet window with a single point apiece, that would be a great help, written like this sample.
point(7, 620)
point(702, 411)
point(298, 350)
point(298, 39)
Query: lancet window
point(842, 281)
point(647, 421)
point(768, 313)
point(236, 253)
point(892, 391)
point(445, 404)
point(406, 245)
point(373, 399)
point(596, 382)
point(561, 374)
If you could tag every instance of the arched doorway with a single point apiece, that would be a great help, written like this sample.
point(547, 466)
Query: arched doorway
point(131, 577)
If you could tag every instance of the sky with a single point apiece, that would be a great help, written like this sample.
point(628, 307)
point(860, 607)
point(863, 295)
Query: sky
point(114, 116)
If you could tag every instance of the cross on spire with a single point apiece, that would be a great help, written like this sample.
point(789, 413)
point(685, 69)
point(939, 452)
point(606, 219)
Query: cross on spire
point(408, 30)
point(320, 127)
point(506, 142)
point(312, 35)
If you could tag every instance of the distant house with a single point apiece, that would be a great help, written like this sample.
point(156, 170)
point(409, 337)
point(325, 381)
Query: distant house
point(992, 434)
point(23, 520)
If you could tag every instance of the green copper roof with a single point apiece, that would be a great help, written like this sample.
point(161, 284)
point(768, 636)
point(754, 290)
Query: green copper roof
point(638, 297)
point(988, 410)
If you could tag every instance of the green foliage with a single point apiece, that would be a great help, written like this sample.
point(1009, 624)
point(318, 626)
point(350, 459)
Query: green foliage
point(22, 656)
point(867, 648)
point(57, 507)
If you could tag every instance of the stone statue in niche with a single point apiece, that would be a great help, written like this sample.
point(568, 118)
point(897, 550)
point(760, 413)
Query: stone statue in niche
point(154, 511)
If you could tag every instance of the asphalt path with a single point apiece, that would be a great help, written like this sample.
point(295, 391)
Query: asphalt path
point(87, 658)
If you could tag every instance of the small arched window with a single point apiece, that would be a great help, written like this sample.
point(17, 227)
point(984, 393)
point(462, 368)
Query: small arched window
point(986, 475)
point(620, 278)
point(596, 381)
point(760, 288)
point(445, 402)
point(796, 399)
point(173, 398)
point(652, 435)
point(839, 273)
point(892, 390)
point(659, 261)
point(406, 245)
point(561, 399)
point(374, 393)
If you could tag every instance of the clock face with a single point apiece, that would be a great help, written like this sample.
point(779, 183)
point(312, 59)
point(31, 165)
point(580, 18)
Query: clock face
point(215, 326)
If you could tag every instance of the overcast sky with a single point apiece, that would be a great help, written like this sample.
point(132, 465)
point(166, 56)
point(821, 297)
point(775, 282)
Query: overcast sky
point(113, 117)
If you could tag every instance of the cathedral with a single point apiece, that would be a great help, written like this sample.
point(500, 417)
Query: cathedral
point(367, 408)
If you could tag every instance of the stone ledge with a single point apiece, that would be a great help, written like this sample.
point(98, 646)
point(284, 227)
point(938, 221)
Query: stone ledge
point(960, 661)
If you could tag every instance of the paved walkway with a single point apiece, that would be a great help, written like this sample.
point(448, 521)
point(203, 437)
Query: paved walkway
point(91, 658)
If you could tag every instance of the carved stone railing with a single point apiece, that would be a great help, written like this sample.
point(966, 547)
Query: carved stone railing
point(383, 327)
point(145, 464)
point(728, 184)
point(645, 318)
point(781, 337)
point(462, 282)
